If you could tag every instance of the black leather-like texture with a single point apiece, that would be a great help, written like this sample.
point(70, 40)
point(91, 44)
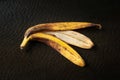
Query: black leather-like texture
point(39, 61)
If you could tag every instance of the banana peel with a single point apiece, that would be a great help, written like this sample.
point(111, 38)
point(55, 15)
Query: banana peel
point(73, 38)
point(58, 35)
point(59, 26)
point(60, 46)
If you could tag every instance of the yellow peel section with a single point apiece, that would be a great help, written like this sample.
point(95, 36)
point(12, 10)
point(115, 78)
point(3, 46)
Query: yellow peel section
point(69, 25)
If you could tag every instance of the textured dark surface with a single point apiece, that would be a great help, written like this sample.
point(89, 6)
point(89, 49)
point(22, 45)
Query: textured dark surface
point(40, 62)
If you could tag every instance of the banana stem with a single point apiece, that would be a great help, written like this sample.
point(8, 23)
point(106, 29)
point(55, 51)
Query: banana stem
point(24, 42)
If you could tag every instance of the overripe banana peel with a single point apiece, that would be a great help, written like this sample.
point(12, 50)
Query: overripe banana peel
point(59, 26)
point(58, 45)
point(58, 36)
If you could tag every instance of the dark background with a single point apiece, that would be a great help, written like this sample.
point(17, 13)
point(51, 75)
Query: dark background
point(39, 61)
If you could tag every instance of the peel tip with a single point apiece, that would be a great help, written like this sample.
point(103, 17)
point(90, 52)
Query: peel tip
point(24, 42)
point(99, 26)
point(82, 64)
point(21, 47)
point(89, 46)
point(92, 44)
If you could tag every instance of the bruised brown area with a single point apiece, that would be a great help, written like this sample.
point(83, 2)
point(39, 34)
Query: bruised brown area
point(54, 45)
point(50, 43)
point(37, 28)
